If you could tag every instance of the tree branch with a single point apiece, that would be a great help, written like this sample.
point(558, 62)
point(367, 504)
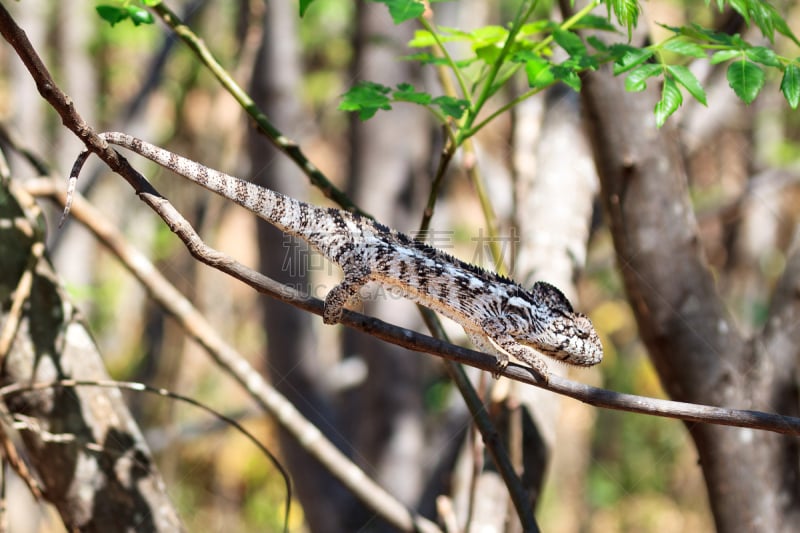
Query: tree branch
point(410, 339)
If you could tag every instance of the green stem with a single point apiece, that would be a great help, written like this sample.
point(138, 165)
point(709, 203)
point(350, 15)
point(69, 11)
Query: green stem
point(506, 107)
point(456, 71)
point(488, 85)
point(281, 142)
point(567, 24)
point(470, 156)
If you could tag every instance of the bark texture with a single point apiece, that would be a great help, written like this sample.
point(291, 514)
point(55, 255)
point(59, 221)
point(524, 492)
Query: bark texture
point(752, 477)
point(96, 467)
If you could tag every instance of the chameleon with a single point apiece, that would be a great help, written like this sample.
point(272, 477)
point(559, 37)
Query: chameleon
point(499, 316)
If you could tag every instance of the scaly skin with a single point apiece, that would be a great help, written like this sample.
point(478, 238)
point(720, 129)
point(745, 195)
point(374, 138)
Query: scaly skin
point(499, 315)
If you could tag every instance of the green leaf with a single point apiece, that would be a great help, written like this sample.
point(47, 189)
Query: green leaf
point(367, 98)
point(738, 42)
point(403, 10)
point(139, 15)
point(450, 106)
point(740, 6)
point(683, 46)
point(671, 100)
point(581, 63)
point(487, 42)
point(637, 79)
point(783, 28)
point(537, 26)
point(454, 34)
point(488, 35)
point(695, 31)
point(763, 55)
point(765, 16)
point(597, 43)
point(677, 30)
point(422, 39)
point(724, 55)
point(568, 76)
point(570, 42)
point(685, 77)
point(594, 22)
point(628, 57)
point(522, 56)
point(406, 93)
point(489, 53)
point(112, 14)
point(790, 85)
point(304, 6)
point(539, 72)
point(626, 11)
point(746, 79)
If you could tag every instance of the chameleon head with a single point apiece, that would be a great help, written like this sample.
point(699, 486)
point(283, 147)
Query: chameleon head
point(563, 334)
point(571, 339)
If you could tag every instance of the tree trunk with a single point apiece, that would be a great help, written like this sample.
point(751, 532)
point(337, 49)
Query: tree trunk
point(556, 184)
point(752, 477)
point(86, 449)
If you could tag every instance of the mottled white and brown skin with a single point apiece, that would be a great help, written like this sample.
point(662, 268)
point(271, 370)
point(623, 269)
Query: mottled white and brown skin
point(499, 315)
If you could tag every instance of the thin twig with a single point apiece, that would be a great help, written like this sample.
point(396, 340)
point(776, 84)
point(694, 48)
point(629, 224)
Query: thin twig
point(486, 428)
point(11, 456)
point(21, 293)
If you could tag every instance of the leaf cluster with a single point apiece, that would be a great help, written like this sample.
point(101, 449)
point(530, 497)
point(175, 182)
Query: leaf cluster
point(367, 97)
point(550, 52)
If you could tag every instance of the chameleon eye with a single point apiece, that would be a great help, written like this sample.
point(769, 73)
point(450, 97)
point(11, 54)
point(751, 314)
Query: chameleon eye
point(583, 325)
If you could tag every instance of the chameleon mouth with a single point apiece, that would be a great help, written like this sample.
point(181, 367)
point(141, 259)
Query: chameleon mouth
point(577, 357)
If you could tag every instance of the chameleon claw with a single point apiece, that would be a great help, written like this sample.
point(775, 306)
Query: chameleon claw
point(331, 317)
point(502, 363)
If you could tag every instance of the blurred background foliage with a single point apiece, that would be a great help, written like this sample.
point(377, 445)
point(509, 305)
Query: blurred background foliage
point(641, 474)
